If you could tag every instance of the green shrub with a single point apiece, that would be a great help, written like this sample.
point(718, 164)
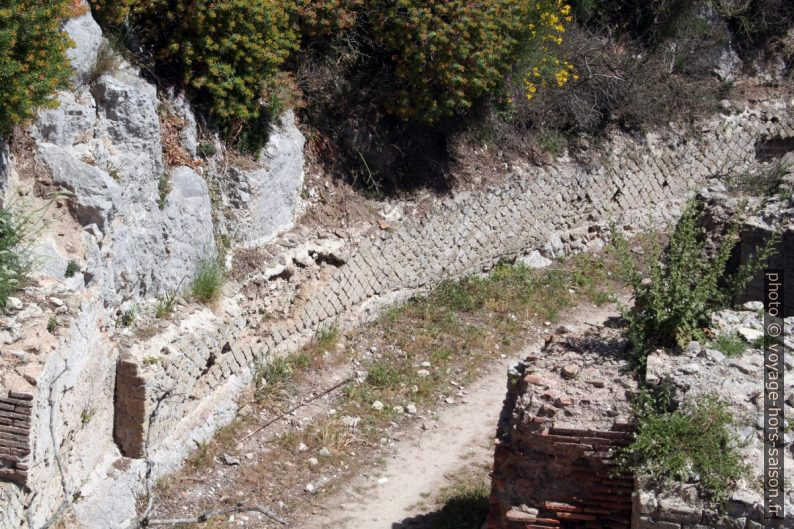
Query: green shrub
point(449, 53)
point(208, 279)
point(688, 445)
point(109, 13)
point(33, 61)
point(17, 232)
point(686, 285)
point(222, 52)
point(205, 150)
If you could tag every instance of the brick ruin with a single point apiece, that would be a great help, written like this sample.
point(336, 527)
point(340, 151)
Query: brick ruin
point(15, 411)
point(565, 412)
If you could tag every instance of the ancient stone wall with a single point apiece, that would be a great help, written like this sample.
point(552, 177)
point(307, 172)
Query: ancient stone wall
point(554, 210)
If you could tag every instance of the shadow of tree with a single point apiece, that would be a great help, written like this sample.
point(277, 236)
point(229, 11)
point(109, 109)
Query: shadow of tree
point(467, 511)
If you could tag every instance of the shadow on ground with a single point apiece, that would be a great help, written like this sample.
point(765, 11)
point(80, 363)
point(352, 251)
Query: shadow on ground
point(460, 512)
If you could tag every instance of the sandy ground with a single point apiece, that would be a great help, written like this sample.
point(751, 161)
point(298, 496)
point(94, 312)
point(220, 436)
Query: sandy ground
point(392, 497)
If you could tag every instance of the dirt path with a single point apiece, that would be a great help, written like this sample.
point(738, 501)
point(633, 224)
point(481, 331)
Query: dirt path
point(419, 466)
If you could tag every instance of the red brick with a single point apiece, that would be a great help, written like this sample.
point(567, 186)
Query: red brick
point(564, 507)
point(536, 380)
point(576, 516)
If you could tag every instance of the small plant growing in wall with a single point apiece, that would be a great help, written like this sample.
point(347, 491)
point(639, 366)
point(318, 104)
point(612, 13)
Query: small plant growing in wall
point(205, 150)
point(18, 230)
point(208, 278)
point(86, 415)
point(128, 317)
point(71, 269)
point(52, 324)
point(163, 188)
point(165, 307)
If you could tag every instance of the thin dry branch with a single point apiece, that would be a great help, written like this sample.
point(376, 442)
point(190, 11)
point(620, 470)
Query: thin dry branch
point(296, 407)
point(207, 516)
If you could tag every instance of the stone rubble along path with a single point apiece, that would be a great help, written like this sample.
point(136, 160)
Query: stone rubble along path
point(417, 470)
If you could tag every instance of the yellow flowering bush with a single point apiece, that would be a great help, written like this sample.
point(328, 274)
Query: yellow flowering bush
point(448, 53)
point(540, 66)
point(33, 61)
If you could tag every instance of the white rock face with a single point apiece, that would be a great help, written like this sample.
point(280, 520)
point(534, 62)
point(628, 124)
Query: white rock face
point(87, 37)
point(270, 196)
point(4, 161)
point(187, 223)
point(103, 145)
point(727, 65)
point(96, 195)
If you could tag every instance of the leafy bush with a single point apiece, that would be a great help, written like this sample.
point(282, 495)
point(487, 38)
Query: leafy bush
point(113, 12)
point(222, 52)
point(754, 22)
point(686, 285)
point(447, 54)
point(691, 444)
point(33, 60)
point(616, 82)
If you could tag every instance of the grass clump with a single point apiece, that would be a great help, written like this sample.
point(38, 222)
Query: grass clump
point(693, 444)
point(165, 307)
point(731, 345)
point(464, 502)
point(208, 279)
point(687, 284)
point(273, 380)
point(108, 61)
point(72, 268)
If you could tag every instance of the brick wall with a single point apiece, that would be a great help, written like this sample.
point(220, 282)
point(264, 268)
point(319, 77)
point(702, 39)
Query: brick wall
point(15, 409)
